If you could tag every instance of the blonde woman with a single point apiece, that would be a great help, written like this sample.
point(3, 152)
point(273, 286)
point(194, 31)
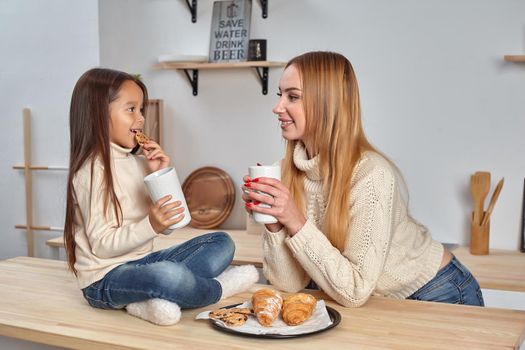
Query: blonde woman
point(342, 221)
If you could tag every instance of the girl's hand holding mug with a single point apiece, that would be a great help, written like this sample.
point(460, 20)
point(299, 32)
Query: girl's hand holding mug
point(162, 215)
point(278, 198)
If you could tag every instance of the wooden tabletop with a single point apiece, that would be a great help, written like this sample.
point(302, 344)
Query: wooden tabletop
point(40, 302)
point(248, 247)
point(501, 269)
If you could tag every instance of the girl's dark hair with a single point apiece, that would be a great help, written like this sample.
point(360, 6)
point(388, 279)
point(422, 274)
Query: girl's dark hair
point(89, 120)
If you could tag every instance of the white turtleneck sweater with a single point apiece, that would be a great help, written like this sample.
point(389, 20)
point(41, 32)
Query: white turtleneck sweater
point(101, 245)
point(386, 253)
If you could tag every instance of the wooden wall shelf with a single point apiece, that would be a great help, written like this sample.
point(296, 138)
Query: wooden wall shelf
point(514, 58)
point(261, 68)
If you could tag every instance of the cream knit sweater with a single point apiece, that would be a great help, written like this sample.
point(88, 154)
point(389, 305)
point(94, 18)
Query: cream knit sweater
point(101, 245)
point(387, 253)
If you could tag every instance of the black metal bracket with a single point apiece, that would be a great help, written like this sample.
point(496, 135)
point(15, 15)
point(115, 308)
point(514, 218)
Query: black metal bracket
point(193, 81)
point(193, 78)
point(263, 78)
point(264, 5)
point(193, 9)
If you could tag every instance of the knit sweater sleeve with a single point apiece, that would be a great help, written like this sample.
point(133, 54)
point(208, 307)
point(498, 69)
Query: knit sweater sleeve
point(350, 277)
point(280, 267)
point(106, 239)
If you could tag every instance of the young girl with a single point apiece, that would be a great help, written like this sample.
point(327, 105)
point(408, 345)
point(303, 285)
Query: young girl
point(110, 222)
point(342, 222)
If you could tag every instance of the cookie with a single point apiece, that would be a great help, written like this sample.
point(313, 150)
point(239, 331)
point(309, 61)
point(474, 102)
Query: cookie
point(235, 320)
point(231, 317)
point(141, 138)
point(226, 312)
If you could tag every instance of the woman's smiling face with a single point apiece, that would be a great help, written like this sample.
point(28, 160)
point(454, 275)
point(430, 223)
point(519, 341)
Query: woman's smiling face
point(289, 107)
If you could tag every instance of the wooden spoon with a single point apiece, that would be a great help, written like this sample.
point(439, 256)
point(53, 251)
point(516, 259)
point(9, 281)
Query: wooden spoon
point(492, 203)
point(479, 188)
point(484, 177)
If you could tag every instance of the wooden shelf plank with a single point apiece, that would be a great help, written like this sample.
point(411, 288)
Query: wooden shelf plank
point(261, 67)
point(41, 167)
point(40, 228)
point(226, 65)
point(514, 58)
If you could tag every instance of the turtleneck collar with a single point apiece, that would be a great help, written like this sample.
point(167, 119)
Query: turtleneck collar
point(119, 151)
point(309, 166)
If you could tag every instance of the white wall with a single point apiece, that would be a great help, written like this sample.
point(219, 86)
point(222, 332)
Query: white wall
point(45, 46)
point(437, 96)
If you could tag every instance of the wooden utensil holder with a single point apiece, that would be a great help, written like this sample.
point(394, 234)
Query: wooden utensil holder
point(479, 237)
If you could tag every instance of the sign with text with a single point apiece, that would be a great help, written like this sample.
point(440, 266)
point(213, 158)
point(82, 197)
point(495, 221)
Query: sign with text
point(230, 31)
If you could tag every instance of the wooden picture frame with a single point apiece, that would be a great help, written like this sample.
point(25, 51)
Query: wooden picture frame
point(154, 119)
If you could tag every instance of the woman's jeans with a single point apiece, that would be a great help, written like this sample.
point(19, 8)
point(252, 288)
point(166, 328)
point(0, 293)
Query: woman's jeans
point(454, 284)
point(183, 274)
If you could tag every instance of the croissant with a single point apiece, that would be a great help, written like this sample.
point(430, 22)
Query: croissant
point(297, 308)
point(266, 305)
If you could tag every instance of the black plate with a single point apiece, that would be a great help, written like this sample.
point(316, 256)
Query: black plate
point(335, 317)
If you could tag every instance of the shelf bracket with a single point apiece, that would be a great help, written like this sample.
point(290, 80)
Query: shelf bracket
point(194, 80)
point(264, 5)
point(263, 78)
point(193, 9)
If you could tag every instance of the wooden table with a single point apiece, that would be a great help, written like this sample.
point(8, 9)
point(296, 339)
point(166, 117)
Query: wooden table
point(501, 269)
point(40, 302)
point(248, 247)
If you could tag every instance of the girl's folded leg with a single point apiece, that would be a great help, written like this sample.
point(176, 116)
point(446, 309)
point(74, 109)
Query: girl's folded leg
point(207, 255)
point(165, 313)
point(167, 280)
point(154, 292)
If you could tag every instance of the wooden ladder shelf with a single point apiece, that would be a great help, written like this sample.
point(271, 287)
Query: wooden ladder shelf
point(28, 172)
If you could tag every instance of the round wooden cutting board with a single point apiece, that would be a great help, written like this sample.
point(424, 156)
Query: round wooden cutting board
point(210, 196)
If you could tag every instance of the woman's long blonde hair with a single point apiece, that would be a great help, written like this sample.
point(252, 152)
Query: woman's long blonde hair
point(334, 133)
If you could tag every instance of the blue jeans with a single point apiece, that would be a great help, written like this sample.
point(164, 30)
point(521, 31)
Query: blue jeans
point(183, 274)
point(453, 284)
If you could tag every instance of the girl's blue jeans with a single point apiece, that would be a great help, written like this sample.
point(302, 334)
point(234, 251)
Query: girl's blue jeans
point(183, 274)
point(453, 284)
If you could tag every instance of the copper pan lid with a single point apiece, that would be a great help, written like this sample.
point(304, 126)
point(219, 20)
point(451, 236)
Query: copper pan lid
point(210, 196)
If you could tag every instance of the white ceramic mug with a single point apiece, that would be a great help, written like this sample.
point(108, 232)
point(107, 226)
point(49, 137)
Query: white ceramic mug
point(273, 171)
point(163, 182)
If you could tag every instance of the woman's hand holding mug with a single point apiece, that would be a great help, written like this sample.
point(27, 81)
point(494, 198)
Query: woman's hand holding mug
point(270, 201)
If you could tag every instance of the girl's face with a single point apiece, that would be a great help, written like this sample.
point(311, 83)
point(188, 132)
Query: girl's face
point(126, 115)
point(289, 107)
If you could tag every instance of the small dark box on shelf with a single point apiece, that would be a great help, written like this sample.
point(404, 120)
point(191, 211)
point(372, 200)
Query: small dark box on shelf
point(257, 50)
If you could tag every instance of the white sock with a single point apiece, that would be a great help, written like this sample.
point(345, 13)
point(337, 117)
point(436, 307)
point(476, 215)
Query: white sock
point(158, 311)
point(237, 279)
